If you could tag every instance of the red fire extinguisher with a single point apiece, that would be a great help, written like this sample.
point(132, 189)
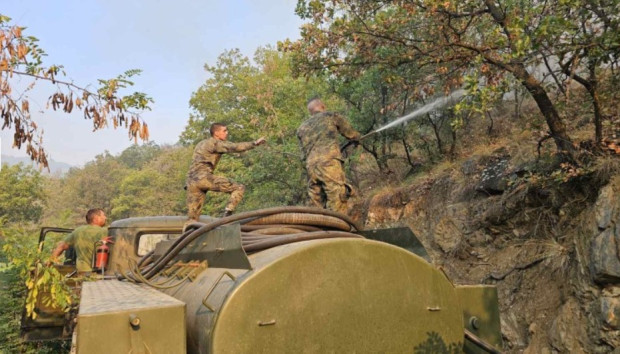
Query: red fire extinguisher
point(102, 252)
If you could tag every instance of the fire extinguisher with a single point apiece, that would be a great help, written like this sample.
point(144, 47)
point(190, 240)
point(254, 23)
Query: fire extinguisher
point(101, 255)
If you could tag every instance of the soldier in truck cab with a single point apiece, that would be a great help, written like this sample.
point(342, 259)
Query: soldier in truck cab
point(200, 178)
point(83, 240)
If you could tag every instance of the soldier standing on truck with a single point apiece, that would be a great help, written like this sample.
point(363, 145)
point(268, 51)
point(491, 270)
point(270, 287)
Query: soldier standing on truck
point(83, 240)
point(200, 178)
point(318, 135)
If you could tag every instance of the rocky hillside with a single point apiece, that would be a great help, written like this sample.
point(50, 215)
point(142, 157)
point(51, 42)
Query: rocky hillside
point(548, 239)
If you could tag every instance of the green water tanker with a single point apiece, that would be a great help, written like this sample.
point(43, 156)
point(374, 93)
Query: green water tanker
point(279, 280)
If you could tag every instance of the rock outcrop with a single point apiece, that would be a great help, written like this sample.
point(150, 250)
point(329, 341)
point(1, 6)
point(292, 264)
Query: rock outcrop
point(552, 250)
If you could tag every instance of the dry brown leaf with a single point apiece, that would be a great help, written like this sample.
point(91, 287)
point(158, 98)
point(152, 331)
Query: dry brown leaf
point(17, 31)
point(22, 50)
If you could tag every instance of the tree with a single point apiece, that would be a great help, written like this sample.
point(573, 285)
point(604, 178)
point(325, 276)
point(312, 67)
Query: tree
point(22, 195)
point(137, 156)
point(22, 58)
point(155, 189)
point(480, 41)
point(378, 96)
point(94, 186)
point(585, 41)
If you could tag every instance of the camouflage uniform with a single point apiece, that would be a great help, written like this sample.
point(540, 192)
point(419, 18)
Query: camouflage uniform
point(319, 144)
point(201, 179)
point(83, 241)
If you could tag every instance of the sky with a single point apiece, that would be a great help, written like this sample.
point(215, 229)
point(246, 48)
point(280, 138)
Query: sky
point(170, 41)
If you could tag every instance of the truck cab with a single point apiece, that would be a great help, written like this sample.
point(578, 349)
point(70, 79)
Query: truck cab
point(137, 236)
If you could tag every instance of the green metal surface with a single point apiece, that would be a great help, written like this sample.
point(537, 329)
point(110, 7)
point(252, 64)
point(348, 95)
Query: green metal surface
point(398, 236)
point(221, 248)
point(120, 317)
point(157, 222)
point(339, 295)
point(480, 315)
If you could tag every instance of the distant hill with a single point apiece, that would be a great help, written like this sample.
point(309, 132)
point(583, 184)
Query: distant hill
point(56, 168)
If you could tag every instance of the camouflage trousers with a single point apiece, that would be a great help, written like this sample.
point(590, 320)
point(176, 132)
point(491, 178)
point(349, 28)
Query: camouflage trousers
point(327, 186)
point(198, 187)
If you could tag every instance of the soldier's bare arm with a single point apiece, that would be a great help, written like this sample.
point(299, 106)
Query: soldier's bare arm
point(60, 248)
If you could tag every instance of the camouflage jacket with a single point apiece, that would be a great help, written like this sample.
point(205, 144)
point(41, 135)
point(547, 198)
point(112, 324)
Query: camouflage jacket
point(209, 151)
point(318, 136)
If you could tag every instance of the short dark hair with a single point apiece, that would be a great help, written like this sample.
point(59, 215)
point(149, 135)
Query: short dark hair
point(90, 215)
point(313, 98)
point(215, 127)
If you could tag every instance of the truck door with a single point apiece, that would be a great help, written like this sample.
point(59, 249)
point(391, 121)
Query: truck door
point(51, 323)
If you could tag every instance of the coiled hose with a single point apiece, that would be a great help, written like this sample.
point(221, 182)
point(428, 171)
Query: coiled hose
point(260, 230)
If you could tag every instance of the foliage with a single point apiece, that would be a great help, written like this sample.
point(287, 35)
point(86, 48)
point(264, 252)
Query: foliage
point(156, 189)
point(22, 196)
point(22, 252)
point(381, 95)
point(23, 275)
point(136, 156)
point(95, 185)
point(451, 40)
point(11, 303)
point(435, 344)
point(22, 58)
point(12, 294)
point(584, 36)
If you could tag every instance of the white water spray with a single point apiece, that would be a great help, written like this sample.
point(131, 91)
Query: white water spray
point(440, 102)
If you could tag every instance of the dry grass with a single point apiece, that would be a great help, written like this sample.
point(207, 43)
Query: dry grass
point(605, 169)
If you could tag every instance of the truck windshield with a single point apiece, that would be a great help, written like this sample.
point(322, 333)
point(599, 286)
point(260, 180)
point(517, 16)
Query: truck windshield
point(147, 242)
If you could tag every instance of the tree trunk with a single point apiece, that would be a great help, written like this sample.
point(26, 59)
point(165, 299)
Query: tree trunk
point(437, 136)
point(412, 163)
point(592, 88)
point(554, 121)
point(591, 85)
point(598, 118)
point(453, 145)
point(534, 87)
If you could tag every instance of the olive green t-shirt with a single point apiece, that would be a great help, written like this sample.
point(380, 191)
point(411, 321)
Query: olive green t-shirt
point(83, 241)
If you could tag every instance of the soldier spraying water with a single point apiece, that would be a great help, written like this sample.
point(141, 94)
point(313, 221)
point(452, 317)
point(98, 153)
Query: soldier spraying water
point(318, 136)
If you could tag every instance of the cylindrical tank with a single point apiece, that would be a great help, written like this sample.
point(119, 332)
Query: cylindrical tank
point(331, 295)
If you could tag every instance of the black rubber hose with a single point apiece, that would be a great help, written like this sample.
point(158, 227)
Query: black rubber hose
point(186, 239)
point(283, 240)
point(303, 219)
point(250, 237)
point(276, 231)
point(144, 258)
point(249, 228)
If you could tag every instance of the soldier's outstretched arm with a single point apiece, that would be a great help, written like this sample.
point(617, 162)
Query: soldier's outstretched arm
point(228, 146)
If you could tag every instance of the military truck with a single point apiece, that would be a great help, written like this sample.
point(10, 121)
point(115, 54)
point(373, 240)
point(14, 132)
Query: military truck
point(289, 279)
